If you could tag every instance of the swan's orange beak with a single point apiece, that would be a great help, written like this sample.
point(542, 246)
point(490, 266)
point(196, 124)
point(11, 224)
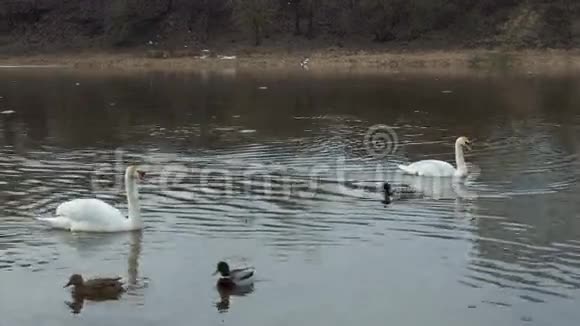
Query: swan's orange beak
point(141, 175)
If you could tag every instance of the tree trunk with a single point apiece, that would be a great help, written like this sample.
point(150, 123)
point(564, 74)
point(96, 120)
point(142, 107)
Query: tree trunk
point(296, 4)
point(169, 7)
point(257, 33)
point(206, 20)
point(310, 33)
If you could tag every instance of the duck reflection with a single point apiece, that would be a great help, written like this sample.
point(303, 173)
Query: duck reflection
point(79, 301)
point(9, 127)
point(100, 290)
point(226, 292)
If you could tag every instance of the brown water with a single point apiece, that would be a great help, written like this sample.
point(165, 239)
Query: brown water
point(281, 178)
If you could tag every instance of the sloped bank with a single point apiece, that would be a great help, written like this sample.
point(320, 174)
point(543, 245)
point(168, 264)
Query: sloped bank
point(466, 61)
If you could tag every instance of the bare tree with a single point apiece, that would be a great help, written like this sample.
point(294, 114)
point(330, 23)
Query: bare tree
point(254, 15)
point(295, 4)
point(311, 8)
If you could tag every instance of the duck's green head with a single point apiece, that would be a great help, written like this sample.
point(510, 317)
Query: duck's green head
point(223, 268)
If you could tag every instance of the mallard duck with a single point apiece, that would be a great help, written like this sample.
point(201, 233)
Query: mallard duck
point(98, 288)
point(235, 277)
point(397, 193)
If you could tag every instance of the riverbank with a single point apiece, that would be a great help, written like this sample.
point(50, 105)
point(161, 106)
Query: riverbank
point(328, 60)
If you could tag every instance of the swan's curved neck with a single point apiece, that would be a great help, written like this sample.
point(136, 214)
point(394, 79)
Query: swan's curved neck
point(459, 159)
point(132, 200)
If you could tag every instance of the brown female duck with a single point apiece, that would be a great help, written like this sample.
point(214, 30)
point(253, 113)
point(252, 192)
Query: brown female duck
point(98, 288)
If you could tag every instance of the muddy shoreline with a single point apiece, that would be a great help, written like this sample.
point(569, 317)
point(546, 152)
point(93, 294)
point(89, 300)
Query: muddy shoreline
point(465, 61)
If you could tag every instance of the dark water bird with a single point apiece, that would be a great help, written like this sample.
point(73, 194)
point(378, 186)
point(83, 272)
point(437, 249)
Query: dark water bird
point(231, 278)
point(233, 282)
point(400, 192)
point(97, 288)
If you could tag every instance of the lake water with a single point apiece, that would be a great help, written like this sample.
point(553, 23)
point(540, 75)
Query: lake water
point(273, 170)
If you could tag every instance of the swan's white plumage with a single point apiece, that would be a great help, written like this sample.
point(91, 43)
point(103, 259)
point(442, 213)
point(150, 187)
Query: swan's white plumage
point(429, 168)
point(437, 168)
point(94, 215)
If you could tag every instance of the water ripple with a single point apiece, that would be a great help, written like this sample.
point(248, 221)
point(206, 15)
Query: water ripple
point(313, 190)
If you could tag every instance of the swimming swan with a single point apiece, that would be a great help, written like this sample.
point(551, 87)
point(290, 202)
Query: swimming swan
point(94, 215)
point(436, 168)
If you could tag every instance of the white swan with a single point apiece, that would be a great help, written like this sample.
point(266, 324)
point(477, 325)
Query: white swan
point(94, 215)
point(436, 168)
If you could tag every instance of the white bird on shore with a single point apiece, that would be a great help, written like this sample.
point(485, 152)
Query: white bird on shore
point(304, 63)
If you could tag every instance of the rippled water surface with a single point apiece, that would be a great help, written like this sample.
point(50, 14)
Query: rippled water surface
point(281, 177)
